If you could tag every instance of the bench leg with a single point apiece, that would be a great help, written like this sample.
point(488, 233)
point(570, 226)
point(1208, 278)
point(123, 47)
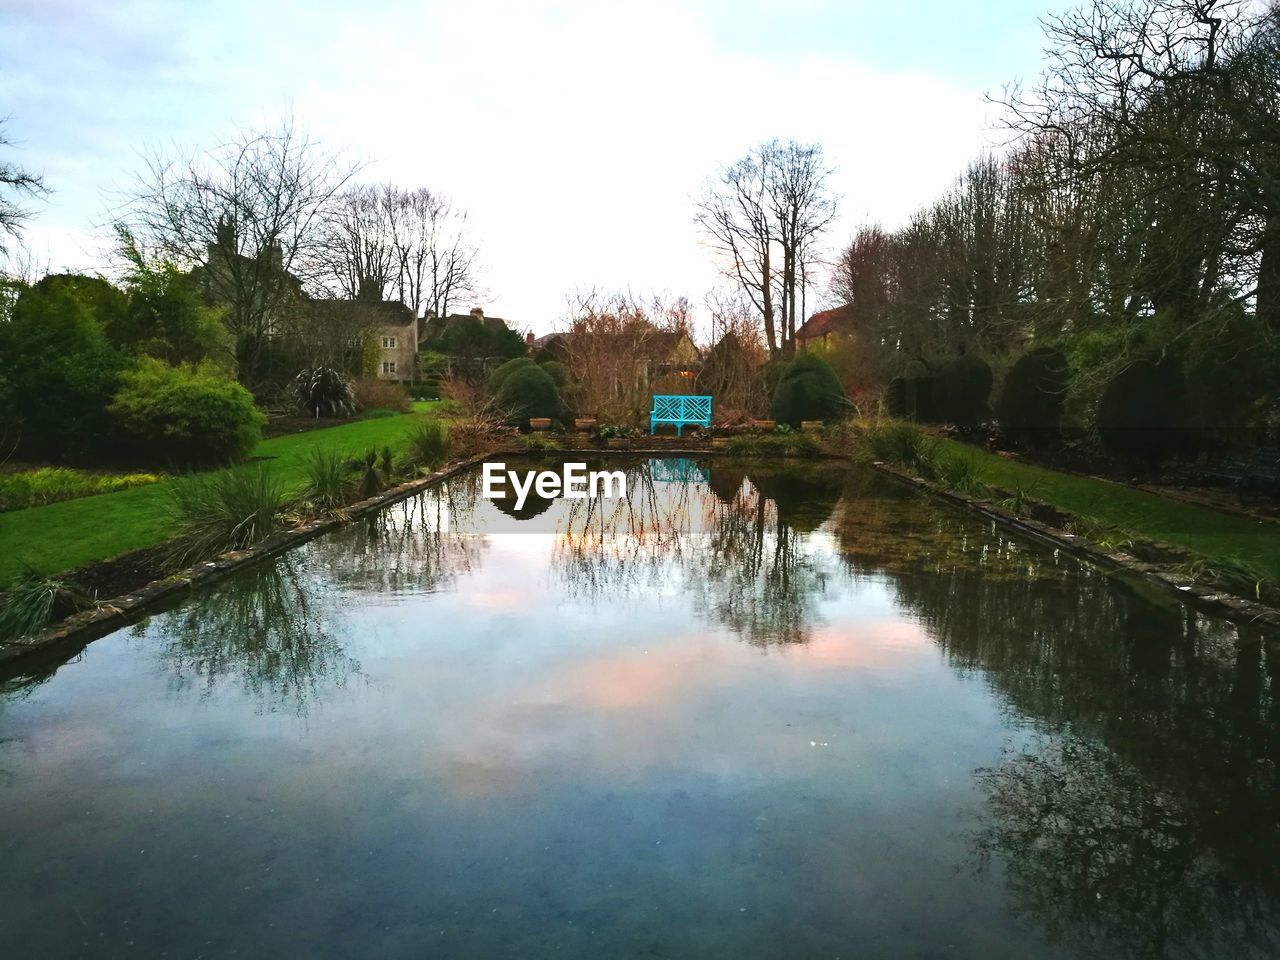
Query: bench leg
point(653, 427)
point(680, 429)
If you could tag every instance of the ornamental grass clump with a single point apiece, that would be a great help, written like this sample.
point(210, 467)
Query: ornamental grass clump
point(32, 601)
point(330, 480)
point(427, 444)
point(216, 512)
point(898, 443)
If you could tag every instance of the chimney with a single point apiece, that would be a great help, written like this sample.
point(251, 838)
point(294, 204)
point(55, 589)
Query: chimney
point(528, 339)
point(477, 313)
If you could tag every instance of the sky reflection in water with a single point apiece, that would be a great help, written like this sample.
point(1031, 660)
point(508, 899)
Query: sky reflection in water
point(760, 713)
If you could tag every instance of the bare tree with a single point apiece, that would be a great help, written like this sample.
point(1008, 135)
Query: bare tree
point(436, 261)
point(251, 213)
point(1179, 98)
point(359, 254)
point(610, 344)
point(19, 182)
point(803, 207)
point(764, 215)
point(734, 214)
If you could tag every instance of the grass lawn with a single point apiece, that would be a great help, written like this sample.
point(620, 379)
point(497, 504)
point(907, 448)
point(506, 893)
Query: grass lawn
point(1201, 530)
point(64, 535)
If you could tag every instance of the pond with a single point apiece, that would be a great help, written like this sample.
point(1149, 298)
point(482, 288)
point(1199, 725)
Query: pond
point(754, 710)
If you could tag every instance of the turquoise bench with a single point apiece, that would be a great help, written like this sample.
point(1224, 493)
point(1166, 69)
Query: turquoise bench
point(680, 411)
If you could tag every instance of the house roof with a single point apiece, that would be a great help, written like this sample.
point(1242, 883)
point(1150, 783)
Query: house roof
point(391, 312)
point(838, 320)
point(437, 325)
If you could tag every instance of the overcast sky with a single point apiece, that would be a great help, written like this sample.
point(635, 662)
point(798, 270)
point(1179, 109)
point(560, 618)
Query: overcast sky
point(575, 133)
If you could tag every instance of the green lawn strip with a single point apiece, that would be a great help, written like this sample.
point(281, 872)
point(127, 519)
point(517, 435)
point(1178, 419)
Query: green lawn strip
point(61, 536)
point(1201, 530)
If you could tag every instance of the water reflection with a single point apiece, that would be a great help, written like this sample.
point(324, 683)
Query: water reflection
point(731, 537)
point(875, 722)
point(273, 631)
point(1143, 814)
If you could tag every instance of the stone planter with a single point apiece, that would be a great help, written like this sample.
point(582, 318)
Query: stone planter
point(616, 444)
point(764, 424)
point(539, 423)
point(584, 424)
point(719, 443)
point(812, 426)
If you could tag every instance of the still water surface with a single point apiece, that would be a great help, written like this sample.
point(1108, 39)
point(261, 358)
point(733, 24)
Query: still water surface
point(753, 712)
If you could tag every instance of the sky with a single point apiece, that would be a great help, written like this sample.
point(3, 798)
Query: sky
point(576, 134)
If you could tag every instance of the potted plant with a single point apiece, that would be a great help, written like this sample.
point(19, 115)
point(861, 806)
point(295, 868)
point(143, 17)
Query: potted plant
point(584, 424)
point(539, 423)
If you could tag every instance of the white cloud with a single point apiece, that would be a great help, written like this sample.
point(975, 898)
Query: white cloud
point(574, 134)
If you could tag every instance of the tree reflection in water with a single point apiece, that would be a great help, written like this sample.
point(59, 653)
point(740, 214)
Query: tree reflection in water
point(271, 629)
point(422, 544)
point(1142, 819)
point(735, 541)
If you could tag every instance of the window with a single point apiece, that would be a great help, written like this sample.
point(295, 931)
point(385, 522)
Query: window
point(388, 366)
point(388, 341)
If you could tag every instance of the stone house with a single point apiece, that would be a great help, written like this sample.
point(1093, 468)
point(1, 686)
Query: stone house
point(397, 341)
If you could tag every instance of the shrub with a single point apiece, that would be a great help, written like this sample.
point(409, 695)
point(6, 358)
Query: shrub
point(808, 390)
point(558, 372)
point(185, 414)
point(370, 393)
point(911, 398)
point(324, 392)
point(962, 389)
point(427, 444)
point(34, 488)
point(1143, 410)
point(59, 369)
point(225, 510)
point(329, 479)
point(528, 392)
point(1030, 405)
point(499, 376)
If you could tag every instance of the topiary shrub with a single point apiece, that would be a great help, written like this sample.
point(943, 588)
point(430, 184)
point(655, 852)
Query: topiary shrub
point(961, 391)
point(499, 376)
point(1143, 411)
point(911, 398)
point(558, 372)
point(185, 415)
point(808, 390)
point(528, 392)
point(1031, 400)
point(324, 392)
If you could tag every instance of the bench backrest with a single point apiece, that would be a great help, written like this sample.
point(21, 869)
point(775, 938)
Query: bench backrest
point(681, 407)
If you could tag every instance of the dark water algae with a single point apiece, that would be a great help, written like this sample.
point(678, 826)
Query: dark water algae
point(752, 711)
